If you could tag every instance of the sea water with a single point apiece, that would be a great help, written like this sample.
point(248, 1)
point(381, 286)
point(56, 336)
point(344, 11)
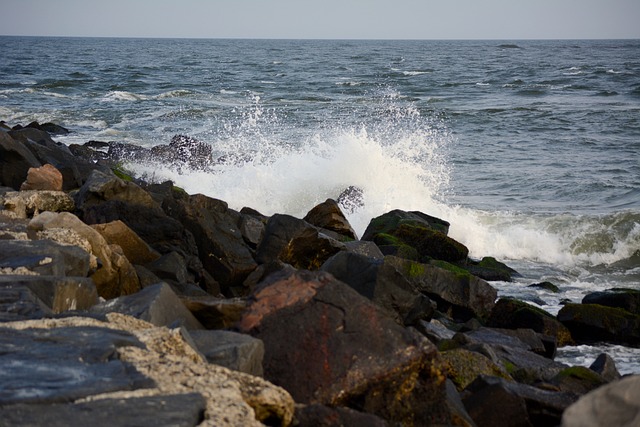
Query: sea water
point(530, 149)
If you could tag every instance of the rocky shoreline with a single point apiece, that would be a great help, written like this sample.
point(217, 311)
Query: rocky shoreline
point(133, 302)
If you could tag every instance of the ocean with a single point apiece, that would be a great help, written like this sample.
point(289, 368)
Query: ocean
point(530, 149)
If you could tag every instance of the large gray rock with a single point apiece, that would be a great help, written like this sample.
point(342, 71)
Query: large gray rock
point(63, 364)
point(590, 323)
point(26, 204)
point(43, 257)
point(20, 303)
point(15, 161)
point(59, 294)
point(615, 404)
point(232, 350)
point(156, 304)
point(183, 410)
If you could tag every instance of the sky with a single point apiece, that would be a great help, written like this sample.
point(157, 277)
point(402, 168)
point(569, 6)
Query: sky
point(325, 19)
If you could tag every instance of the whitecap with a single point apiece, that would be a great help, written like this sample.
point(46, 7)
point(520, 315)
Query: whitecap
point(120, 95)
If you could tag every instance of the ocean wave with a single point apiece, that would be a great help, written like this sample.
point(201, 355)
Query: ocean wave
point(178, 93)
point(122, 95)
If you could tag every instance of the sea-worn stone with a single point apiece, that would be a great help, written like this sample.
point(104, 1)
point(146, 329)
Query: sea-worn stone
point(15, 161)
point(510, 313)
point(156, 304)
point(615, 404)
point(46, 177)
point(590, 323)
point(606, 367)
point(316, 415)
point(363, 247)
point(20, 303)
point(181, 410)
point(494, 401)
point(627, 299)
point(526, 366)
point(101, 187)
point(578, 380)
point(44, 257)
point(328, 215)
point(457, 292)
point(525, 339)
point(116, 276)
point(134, 248)
point(220, 243)
point(464, 366)
point(26, 204)
point(488, 268)
point(382, 283)
point(296, 242)
point(39, 365)
point(435, 330)
point(232, 350)
point(327, 344)
point(59, 294)
point(214, 312)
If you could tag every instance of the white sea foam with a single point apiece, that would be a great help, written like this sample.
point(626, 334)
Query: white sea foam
point(122, 95)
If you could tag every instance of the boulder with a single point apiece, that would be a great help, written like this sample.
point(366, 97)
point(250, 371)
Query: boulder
point(21, 303)
point(494, 401)
point(214, 312)
point(152, 411)
point(116, 276)
point(134, 248)
point(156, 304)
point(327, 344)
point(578, 380)
point(546, 286)
point(101, 187)
point(591, 323)
point(525, 339)
point(232, 350)
point(316, 415)
point(59, 294)
point(464, 366)
point(488, 268)
point(383, 284)
point(328, 215)
point(50, 128)
point(455, 291)
point(510, 313)
point(615, 404)
point(626, 299)
point(185, 150)
point(43, 257)
point(221, 246)
point(26, 204)
point(15, 161)
point(296, 242)
point(46, 177)
point(606, 367)
point(363, 247)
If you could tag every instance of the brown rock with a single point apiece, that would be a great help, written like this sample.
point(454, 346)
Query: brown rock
point(329, 216)
point(46, 177)
point(134, 248)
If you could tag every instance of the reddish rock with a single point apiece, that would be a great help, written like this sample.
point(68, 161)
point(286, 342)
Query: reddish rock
point(327, 344)
point(328, 215)
point(46, 177)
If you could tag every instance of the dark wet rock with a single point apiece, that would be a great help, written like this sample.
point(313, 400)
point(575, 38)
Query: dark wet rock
point(627, 299)
point(363, 247)
point(510, 313)
point(46, 177)
point(296, 242)
point(50, 128)
point(382, 283)
point(324, 416)
point(183, 410)
point(44, 257)
point(435, 330)
point(327, 215)
point(214, 312)
point(488, 268)
point(59, 294)
point(101, 187)
point(493, 401)
point(188, 150)
point(18, 302)
point(456, 292)
point(590, 323)
point(526, 366)
point(578, 380)
point(606, 367)
point(615, 404)
point(220, 243)
point(389, 221)
point(232, 350)
point(463, 367)
point(546, 286)
point(525, 339)
point(171, 267)
point(156, 304)
point(15, 161)
point(327, 344)
point(252, 229)
point(71, 363)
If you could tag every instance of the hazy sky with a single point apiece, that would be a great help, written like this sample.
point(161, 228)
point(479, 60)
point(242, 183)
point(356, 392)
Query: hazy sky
point(405, 19)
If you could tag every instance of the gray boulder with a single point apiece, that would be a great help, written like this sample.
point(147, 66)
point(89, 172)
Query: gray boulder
point(232, 350)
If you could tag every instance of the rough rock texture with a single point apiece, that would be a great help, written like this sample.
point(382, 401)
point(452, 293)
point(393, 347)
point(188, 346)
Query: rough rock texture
point(140, 360)
point(464, 366)
point(324, 416)
point(232, 350)
point(15, 161)
point(616, 404)
point(328, 215)
point(627, 299)
point(134, 248)
point(327, 344)
point(606, 367)
point(512, 314)
point(590, 323)
point(46, 177)
point(214, 312)
point(43, 257)
point(59, 294)
point(26, 204)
